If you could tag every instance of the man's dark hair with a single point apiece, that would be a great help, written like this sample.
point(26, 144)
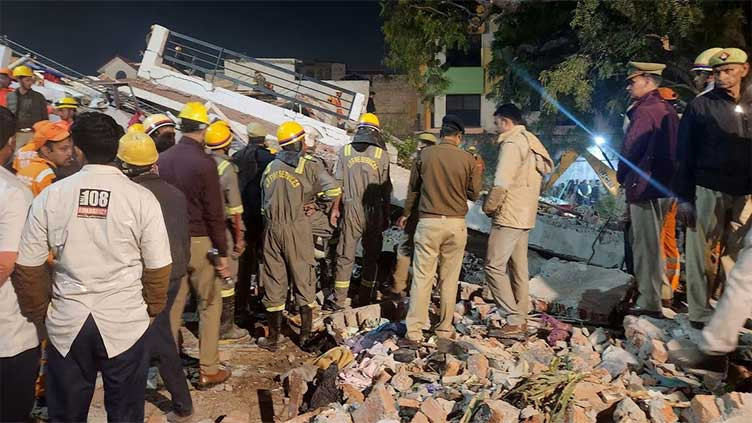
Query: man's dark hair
point(511, 112)
point(97, 135)
point(7, 125)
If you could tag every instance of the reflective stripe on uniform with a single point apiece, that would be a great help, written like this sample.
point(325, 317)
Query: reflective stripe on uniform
point(276, 308)
point(334, 192)
point(228, 292)
point(377, 153)
point(312, 305)
point(223, 166)
point(342, 284)
point(301, 165)
point(368, 284)
point(348, 150)
point(234, 210)
point(43, 174)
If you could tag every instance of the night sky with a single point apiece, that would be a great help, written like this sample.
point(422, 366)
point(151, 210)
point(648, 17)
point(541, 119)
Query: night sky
point(84, 35)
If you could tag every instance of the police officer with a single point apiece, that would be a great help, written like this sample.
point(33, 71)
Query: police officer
point(407, 222)
point(288, 238)
point(110, 275)
point(218, 138)
point(713, 186)
point(702, 71)
point(447, 178)
point(363, 169)
point(136, 156)
point(251, 162)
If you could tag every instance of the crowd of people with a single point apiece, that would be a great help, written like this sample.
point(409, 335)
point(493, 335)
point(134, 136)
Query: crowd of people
point(106, 231)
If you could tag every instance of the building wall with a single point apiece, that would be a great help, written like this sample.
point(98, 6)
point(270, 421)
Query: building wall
point(397, 104)
point(111, 69)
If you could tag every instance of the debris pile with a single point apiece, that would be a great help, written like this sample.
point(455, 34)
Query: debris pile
point(558, 372)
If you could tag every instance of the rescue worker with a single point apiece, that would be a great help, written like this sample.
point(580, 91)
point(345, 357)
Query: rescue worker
point(650, 145)
point(189, 168)
point(50, 148)
point(447, 178)
point(703, 72)
point(5, 77)
point(110, 272)
point(715, 151)
point(28, 105)
point(161, 129)
point(363, 170)
point(512, 203)
point(251, 162)
point(408, 222)
point(288, 239)
point(19, 344)
point(218, 137)
point(66, 108)
point(136, 157)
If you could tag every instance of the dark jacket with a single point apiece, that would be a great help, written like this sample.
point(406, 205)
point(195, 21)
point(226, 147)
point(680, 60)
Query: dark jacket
point(29, 108)
point(175, 212)
point(715, 146)
point(448, 176)
point(194, 172)
point(649, 145)
point(251, 162)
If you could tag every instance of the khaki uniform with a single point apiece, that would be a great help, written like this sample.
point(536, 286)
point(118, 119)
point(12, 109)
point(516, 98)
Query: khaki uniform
point(288, 239)
point(721, 218)
point(228, 184)
point(447, 178)
point(513, 205)
point(363, 168)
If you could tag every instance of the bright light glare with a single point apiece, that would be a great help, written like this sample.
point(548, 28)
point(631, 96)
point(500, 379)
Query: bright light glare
point(599, 140)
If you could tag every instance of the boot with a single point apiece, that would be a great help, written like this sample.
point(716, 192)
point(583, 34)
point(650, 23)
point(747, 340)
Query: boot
point(365, 293)
point(228, 331)
point(306, 324)
point(271, 342)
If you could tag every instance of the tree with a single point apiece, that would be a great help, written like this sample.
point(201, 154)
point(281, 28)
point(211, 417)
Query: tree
point(416, 32)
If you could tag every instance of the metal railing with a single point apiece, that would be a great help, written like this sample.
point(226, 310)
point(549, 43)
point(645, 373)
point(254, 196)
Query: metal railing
point(106, 90)
point(266, 81)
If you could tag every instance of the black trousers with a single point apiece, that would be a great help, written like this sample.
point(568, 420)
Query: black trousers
point(71, 379)
point(161, 346)
point(17, 377)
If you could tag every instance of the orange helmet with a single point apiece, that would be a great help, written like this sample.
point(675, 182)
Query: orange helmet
point(668, 94)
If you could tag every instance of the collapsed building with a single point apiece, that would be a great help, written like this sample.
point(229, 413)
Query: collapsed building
point(575, 365)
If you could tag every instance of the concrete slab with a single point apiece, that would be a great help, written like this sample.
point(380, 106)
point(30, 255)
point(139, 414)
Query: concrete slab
point(578, 291)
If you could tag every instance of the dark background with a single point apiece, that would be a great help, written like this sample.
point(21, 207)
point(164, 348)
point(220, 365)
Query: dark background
point(84, 35)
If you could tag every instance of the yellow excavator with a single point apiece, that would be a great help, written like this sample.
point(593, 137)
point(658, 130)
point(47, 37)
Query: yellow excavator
point(606, 174)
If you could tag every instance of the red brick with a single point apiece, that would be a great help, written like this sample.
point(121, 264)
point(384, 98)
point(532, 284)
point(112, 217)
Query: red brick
point(378, 406)
point(433, 410)
point(352, 394)
point(477, 364)
point(408, 403)
point(420, 418)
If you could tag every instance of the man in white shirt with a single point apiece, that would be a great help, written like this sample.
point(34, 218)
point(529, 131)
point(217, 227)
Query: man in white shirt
point(19, 344)
point(110, 276)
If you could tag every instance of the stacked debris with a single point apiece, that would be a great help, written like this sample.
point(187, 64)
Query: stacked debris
point(559, 372)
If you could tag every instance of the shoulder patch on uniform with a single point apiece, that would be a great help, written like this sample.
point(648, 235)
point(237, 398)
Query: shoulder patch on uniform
point(93, 203)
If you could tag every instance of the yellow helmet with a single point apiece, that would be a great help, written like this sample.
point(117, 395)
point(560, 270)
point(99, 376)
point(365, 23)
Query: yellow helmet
point(702, 62)
point(196, 111)
point(136, 127)
point(290, 132)
point(23, 70)
point(156, 121)
point(218, 135)
point(137, 149)
point(66, 103)
point(369, 120)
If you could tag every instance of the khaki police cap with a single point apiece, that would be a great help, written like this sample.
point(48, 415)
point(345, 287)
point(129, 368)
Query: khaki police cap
point(728, 56)
point(255, 129)
point(702, 62)
point(644, 68)
point(428, 137)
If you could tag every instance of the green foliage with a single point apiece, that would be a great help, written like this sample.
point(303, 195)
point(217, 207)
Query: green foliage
point(406, 151)
point(416, 32)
